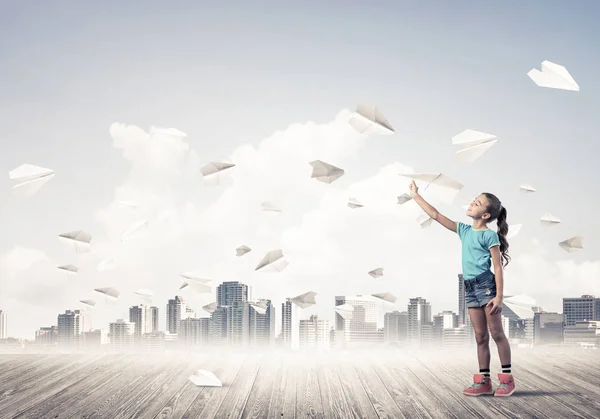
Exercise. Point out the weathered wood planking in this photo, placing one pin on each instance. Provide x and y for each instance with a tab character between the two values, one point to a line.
399	384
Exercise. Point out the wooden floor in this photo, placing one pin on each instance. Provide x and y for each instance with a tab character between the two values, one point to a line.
550	384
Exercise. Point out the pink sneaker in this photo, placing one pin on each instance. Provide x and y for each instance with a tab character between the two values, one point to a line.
507	385
481	385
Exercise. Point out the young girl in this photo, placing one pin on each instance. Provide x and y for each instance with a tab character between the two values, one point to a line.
483	288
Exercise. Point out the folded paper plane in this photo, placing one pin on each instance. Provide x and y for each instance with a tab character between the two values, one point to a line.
473	144
273	261
386	296
526	188
368	119
513	230
213	171
305	300
554	76
325	172
78	239
69	269
204	378
548	219
242	250
345	310
572	245
29	178
210	308
376	273
354	203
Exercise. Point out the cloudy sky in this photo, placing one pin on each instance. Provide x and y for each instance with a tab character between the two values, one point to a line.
270	89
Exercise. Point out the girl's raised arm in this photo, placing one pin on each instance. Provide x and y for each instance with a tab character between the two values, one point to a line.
429	210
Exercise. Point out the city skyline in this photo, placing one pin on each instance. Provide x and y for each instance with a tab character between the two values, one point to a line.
272	103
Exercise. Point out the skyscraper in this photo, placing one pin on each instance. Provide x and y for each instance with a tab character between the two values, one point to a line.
231	292
141	317
176	308
3	325
395	326
362	326
419	314
262	325
290	324
69	327
121	335
314	333
154	318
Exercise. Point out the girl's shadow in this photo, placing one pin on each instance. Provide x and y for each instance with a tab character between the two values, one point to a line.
527	393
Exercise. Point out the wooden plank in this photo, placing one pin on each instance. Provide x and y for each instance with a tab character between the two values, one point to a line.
210	398
235	400
100	384
77	390
358	400
378	394
26	365
121	389
283	396
180	402
34	392
124	405
268	376
177	370
332	394
406	399
309	402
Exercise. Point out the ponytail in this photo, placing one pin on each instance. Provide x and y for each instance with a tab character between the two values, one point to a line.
502	232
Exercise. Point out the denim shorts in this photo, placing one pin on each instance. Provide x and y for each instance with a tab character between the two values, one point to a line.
480	290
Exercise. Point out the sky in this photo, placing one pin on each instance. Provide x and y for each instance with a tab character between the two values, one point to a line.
270	88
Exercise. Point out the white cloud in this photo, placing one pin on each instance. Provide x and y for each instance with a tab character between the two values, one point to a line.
330	247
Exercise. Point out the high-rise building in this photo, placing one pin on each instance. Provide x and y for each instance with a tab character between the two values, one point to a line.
121	335
313	333
238	323
218	326
584	308
46	335
154	318
176	309
142	317
231	292
194	332
548	328
583	333
69	328
395	326
153	342
419	314
362	325
290	324
3	325
262	323
463	311
94	339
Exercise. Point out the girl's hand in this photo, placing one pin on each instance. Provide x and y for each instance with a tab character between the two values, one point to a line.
414	189
496	305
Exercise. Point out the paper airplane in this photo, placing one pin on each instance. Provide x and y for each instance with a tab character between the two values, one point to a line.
242	250
272	262
376	273
526	188
205	378
259	307
438	179
425	221
325	172
353	203
145	293
404	198
89	303
554	76
369	119
386	296
108	292
572	245
345	310
79	239
513	230
475	144
270	208
196	282
106	265
69	269
213	171
549	219
305	300
210	308
29	178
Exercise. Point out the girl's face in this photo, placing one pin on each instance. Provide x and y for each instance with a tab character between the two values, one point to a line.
478	208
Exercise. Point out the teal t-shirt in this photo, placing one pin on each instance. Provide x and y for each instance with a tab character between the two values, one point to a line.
476	245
